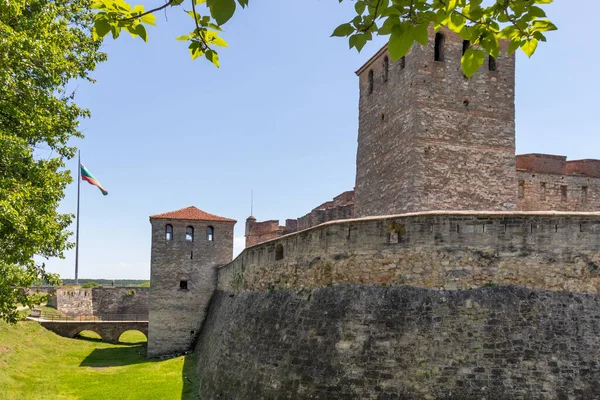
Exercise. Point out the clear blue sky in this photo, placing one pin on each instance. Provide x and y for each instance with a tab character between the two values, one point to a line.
279	117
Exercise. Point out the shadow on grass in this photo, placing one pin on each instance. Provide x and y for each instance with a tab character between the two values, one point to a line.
88	339
116	357
191	390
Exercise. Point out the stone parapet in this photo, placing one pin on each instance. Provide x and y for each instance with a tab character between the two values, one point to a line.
451	250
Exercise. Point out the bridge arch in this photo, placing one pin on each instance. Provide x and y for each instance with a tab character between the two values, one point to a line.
89	334
109	331
133	336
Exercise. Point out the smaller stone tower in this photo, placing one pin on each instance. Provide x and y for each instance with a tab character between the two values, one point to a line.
187	247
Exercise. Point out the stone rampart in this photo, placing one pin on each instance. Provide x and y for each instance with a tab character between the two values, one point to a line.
103	301
450	250
366	342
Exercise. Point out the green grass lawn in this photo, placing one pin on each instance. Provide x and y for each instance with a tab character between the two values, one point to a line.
38	364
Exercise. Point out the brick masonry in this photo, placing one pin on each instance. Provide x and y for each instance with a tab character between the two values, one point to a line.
453	250
365	342
550	182
176	314
341	207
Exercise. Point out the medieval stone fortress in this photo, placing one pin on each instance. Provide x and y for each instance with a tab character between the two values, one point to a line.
454	270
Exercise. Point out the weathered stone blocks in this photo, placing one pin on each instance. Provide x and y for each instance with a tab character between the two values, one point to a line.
365	342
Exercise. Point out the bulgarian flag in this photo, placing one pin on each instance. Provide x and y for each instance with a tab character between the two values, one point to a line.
87	176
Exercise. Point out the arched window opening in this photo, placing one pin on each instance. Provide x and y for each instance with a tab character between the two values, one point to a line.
169	232
439	47
403	62
279	252
492	64
189	234
370	81
210	233
466	45
386	67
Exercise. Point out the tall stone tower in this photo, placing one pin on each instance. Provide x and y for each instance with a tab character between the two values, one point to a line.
431	139
187	247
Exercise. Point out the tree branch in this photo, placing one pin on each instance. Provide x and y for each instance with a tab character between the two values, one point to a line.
167	4
366	28
206	47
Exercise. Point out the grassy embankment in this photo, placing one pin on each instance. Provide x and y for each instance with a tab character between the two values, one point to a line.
38	364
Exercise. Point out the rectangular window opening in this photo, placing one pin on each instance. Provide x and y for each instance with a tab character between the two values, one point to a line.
542	191
183	285
584	195
521	189
563	193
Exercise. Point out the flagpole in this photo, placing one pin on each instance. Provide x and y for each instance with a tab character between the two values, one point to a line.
77	230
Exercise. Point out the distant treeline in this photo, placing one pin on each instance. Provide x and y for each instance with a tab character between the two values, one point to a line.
107	282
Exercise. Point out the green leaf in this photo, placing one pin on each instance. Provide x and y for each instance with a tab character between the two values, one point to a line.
141	31
359	40
529	46
456	22
544	25
419	33
401	41
213	57
360	6
472	60
222	10
195	50
101	27
213	38
149	19
513	46
343	30
184	37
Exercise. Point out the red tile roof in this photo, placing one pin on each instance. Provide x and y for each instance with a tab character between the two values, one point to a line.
191	213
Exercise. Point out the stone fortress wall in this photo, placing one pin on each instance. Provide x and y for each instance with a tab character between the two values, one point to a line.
550	182
545	182
431	305
438	250
405	343
341	207
102	301
413	299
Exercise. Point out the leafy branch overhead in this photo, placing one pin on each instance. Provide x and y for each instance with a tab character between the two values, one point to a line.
522	22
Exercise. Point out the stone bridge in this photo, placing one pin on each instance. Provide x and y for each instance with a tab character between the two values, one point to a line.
109	331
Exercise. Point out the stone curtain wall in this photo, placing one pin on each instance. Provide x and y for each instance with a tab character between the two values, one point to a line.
550	182
121	300
103	301
460	250
558	192
74	302
342	207
365	342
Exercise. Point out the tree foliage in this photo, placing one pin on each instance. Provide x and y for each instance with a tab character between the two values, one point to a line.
522	22
44	44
